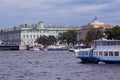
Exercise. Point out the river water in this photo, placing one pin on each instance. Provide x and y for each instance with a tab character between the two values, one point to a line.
52	65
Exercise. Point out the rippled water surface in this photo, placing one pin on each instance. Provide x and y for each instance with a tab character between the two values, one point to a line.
52	65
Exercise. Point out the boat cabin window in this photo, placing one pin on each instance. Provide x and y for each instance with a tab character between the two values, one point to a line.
84	52
100	53
96	53
116	53
118	42
110	53
105	53
113	42
108	43
105	43
98	43
81	53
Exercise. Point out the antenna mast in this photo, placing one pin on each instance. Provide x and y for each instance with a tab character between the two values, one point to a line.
95	10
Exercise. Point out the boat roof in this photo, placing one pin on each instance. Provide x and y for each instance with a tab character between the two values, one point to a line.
86	49
106	40
107	49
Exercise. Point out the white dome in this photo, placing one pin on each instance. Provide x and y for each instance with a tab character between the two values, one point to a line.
96	23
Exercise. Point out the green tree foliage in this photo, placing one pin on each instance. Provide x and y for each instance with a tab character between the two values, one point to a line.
113	33
52	40
69	36
109	33
94	34
44	40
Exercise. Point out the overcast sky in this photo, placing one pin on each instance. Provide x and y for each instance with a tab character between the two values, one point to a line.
58	12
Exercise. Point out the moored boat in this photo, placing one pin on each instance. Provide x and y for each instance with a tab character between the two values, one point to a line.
107	50
86	55
56	47
74	49
34	49
104	51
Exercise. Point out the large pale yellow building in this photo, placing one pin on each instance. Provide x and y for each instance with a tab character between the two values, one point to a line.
82	33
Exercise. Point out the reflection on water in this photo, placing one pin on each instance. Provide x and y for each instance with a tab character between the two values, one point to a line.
52	65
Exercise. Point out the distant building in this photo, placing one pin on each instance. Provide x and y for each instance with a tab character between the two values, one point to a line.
82	32
26	35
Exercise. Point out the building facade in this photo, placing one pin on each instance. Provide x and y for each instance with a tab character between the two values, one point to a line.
82	32
26	35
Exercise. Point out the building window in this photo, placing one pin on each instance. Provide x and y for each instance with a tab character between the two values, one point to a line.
37	36
34	36
31	36
23	36
27	36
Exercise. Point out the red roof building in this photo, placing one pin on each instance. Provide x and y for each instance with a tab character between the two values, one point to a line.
82	33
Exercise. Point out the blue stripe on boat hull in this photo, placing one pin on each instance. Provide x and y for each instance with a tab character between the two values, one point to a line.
98	59
89	59
112	61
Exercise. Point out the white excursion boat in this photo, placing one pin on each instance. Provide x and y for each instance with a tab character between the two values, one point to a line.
103	51
107	50
86	55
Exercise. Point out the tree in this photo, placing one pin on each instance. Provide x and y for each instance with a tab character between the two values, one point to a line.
69	36
113	33
51	39
94	34
43	40
109	33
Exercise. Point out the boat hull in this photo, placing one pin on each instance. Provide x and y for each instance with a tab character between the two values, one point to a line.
56	49
89	59
110	59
